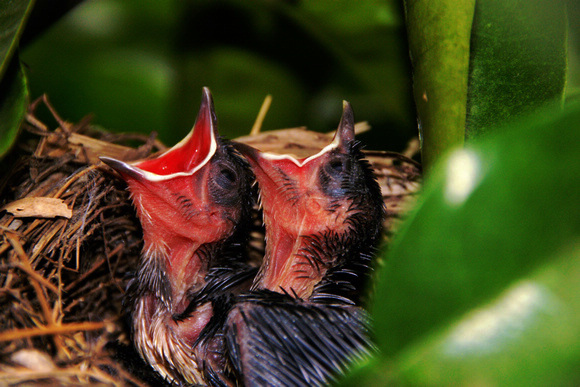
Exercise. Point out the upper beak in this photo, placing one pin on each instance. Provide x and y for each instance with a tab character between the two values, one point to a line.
345	132
261	166
250	153
125	169
185	158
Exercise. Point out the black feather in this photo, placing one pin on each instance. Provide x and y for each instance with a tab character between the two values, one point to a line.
277	340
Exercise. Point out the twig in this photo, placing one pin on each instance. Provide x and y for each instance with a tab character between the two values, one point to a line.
28	270
85	275
25	262
261	115
394	155
64	125
73	179
16	334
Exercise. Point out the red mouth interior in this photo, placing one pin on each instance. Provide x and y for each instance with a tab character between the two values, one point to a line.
186	157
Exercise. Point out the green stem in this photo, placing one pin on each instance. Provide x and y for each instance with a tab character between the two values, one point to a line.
439	34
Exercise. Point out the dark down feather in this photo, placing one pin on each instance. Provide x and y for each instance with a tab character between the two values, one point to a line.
277	340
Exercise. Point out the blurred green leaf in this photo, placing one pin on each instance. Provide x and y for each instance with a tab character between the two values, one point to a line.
140	65
13	104
439	35
518	60
528	335
231	75
13	85
13	15
367	372
354	18
367	41
43	16
492	215
110	59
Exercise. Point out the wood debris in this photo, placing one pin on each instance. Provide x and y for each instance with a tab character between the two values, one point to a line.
38	208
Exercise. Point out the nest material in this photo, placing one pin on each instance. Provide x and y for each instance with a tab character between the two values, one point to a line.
71	240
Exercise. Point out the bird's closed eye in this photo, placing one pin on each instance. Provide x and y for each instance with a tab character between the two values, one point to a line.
226	181
226	178
331	176
335	166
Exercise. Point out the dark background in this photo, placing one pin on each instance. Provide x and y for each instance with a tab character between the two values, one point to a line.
139	65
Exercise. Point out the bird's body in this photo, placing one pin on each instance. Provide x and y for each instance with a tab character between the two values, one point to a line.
193	202
276	339
302	322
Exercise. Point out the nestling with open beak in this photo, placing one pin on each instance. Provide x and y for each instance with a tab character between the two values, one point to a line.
194	205
301	323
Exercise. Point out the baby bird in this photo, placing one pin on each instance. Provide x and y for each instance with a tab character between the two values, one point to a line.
302	323
193	202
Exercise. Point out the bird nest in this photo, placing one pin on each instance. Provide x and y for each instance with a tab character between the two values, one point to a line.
70	242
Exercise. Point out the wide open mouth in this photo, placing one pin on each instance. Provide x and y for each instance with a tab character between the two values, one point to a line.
186	157
191	153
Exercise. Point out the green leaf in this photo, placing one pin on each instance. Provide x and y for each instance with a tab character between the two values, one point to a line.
13	15
528	335
439	35
13	104
13	85
118	66
367	372
518	60
496	215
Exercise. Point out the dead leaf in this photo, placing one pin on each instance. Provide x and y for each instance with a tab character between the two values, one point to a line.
38	207
34	360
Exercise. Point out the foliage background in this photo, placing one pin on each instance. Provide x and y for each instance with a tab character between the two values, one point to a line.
140	65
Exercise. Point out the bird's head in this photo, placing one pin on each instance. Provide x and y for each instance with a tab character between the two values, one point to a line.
331	195
194	194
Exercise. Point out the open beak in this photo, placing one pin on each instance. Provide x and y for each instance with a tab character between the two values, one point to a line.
267	170
183	159
344	135
265	165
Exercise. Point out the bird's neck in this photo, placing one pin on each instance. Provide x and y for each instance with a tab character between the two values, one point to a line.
169	273
298	263
171	268
166	343
293	263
